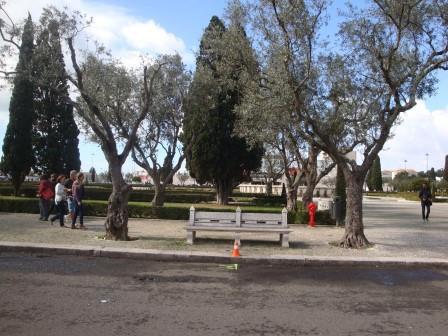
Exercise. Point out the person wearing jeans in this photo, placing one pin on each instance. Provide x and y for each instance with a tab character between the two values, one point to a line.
426	201
60	200
45	195
78	195
68	187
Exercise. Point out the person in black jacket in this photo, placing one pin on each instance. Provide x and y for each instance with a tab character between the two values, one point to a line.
426	201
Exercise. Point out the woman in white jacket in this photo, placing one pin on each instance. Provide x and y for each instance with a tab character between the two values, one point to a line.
60	199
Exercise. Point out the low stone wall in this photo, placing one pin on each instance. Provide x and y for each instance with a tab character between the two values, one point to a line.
320	191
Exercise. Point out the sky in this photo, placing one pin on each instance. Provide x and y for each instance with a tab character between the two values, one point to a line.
131	28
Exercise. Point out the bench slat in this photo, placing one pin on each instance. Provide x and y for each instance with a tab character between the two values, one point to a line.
214	215
261	216
236	229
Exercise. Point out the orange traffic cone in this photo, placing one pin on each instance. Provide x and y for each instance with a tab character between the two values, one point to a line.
236	249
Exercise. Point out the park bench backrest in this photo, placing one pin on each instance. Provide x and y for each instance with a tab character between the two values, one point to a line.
204	218
238	219
261	219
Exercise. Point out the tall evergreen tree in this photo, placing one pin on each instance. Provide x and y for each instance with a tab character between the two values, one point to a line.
377	179
92	172
55	133
342	194
214	153
445	171
18	157
432	174
369	179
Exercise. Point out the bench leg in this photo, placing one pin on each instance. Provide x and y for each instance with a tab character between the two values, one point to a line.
191	235
284	239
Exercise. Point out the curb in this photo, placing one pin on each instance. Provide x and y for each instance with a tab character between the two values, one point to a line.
203	257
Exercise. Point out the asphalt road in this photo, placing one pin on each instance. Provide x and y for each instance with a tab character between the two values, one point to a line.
56	295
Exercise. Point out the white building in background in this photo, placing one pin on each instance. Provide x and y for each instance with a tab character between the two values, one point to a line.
146	179
390	174
325	188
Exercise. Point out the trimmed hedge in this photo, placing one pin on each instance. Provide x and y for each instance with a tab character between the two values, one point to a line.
323	217
181	195
102	193
144	210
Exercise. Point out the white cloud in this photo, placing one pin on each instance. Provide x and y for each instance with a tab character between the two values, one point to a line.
127	36
421	131
112	26
151	36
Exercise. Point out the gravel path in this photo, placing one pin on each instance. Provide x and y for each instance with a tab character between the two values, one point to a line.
394	226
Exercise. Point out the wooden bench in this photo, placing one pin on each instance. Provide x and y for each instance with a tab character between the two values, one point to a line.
238	222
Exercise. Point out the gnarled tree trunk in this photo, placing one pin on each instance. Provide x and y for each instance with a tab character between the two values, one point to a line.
354	228
159	194
117	208
269	188
308	194
291	197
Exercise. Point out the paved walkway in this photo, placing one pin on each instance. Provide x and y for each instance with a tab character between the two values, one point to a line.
394	226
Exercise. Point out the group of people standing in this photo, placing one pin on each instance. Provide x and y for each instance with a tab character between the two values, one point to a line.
66	195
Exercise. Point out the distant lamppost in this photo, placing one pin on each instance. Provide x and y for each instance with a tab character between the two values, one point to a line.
427	163
405	161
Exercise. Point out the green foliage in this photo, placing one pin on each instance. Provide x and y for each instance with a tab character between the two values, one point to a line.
55	133
377	180
156	149
432	174
369	179
18	156
214	153
102	194
445	171
137	179
403	182
442	187
145	210
92	172
302	217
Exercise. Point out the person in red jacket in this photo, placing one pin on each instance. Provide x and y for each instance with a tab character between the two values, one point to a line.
45	194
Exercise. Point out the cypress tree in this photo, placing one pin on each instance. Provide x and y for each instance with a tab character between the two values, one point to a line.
432	174
369	179
445	171
214	154
377	179
18	156
55	133
340	191
92	172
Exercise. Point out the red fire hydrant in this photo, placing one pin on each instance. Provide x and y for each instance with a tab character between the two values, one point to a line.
312	207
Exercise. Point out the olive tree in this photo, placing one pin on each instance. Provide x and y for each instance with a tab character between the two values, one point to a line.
157	148
110	99
272	167
348	99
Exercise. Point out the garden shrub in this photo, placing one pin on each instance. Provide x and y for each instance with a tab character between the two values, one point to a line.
136	210
323	217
